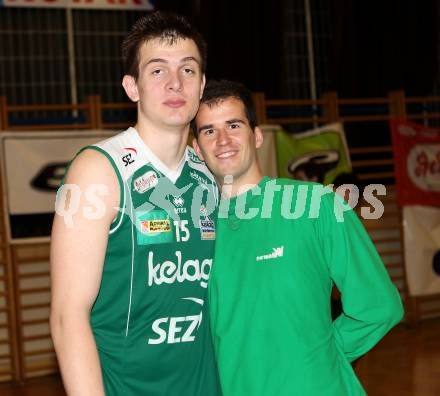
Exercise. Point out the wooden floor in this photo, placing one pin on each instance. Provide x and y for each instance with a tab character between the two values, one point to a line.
405	363
47	386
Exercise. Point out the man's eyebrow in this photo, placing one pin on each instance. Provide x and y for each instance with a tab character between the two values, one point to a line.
203	127
229	122
189	59
235	120
156	60
183	60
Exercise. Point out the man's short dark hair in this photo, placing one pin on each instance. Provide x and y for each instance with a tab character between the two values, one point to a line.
216	91
160	25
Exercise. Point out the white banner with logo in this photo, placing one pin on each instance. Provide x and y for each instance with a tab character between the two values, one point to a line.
267	155
32	165
421	225
91	4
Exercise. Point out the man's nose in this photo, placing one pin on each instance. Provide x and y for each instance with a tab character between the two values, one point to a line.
223	137
174	82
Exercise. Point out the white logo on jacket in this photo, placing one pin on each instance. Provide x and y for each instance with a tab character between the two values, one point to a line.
276	252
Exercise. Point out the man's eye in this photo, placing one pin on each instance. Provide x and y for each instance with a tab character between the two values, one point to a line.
208	131
188	70
234	126
157	72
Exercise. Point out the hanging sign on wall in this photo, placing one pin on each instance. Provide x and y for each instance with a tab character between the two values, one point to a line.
96	4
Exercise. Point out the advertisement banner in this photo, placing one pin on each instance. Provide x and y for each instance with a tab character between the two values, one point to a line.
91	4
322	151
267	156
421	228
32	165
417	163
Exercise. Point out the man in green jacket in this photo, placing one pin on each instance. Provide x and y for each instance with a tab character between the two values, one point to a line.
281	245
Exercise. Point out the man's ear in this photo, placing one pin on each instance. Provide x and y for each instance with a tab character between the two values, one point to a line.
197	149
130	87
259	137
202	87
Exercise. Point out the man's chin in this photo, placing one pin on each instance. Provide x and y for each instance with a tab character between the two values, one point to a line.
225	176
177	124
180	119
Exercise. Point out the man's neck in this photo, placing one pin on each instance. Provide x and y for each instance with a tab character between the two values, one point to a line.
232	188
167	144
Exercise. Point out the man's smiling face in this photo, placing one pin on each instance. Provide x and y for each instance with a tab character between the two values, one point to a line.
226	142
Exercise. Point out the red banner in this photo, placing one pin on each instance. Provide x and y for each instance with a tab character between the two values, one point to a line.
417	163
92	4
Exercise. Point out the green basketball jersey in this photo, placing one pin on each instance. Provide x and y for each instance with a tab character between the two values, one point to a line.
150	319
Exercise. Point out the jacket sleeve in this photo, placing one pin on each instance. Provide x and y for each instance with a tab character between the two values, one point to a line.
371	303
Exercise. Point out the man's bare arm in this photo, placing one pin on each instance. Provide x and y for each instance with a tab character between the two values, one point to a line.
77	255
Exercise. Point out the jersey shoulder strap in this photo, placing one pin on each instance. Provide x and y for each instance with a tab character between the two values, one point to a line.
124	149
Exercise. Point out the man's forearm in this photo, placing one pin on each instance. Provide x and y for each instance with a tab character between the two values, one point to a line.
361	329
77	355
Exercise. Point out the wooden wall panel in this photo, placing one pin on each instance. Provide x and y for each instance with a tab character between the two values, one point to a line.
38	357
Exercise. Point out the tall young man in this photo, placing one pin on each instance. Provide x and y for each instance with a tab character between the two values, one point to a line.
130	268
279	248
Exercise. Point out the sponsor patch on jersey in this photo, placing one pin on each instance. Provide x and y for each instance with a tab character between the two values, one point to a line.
203	211
153	227
129	156
207	228
145	182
